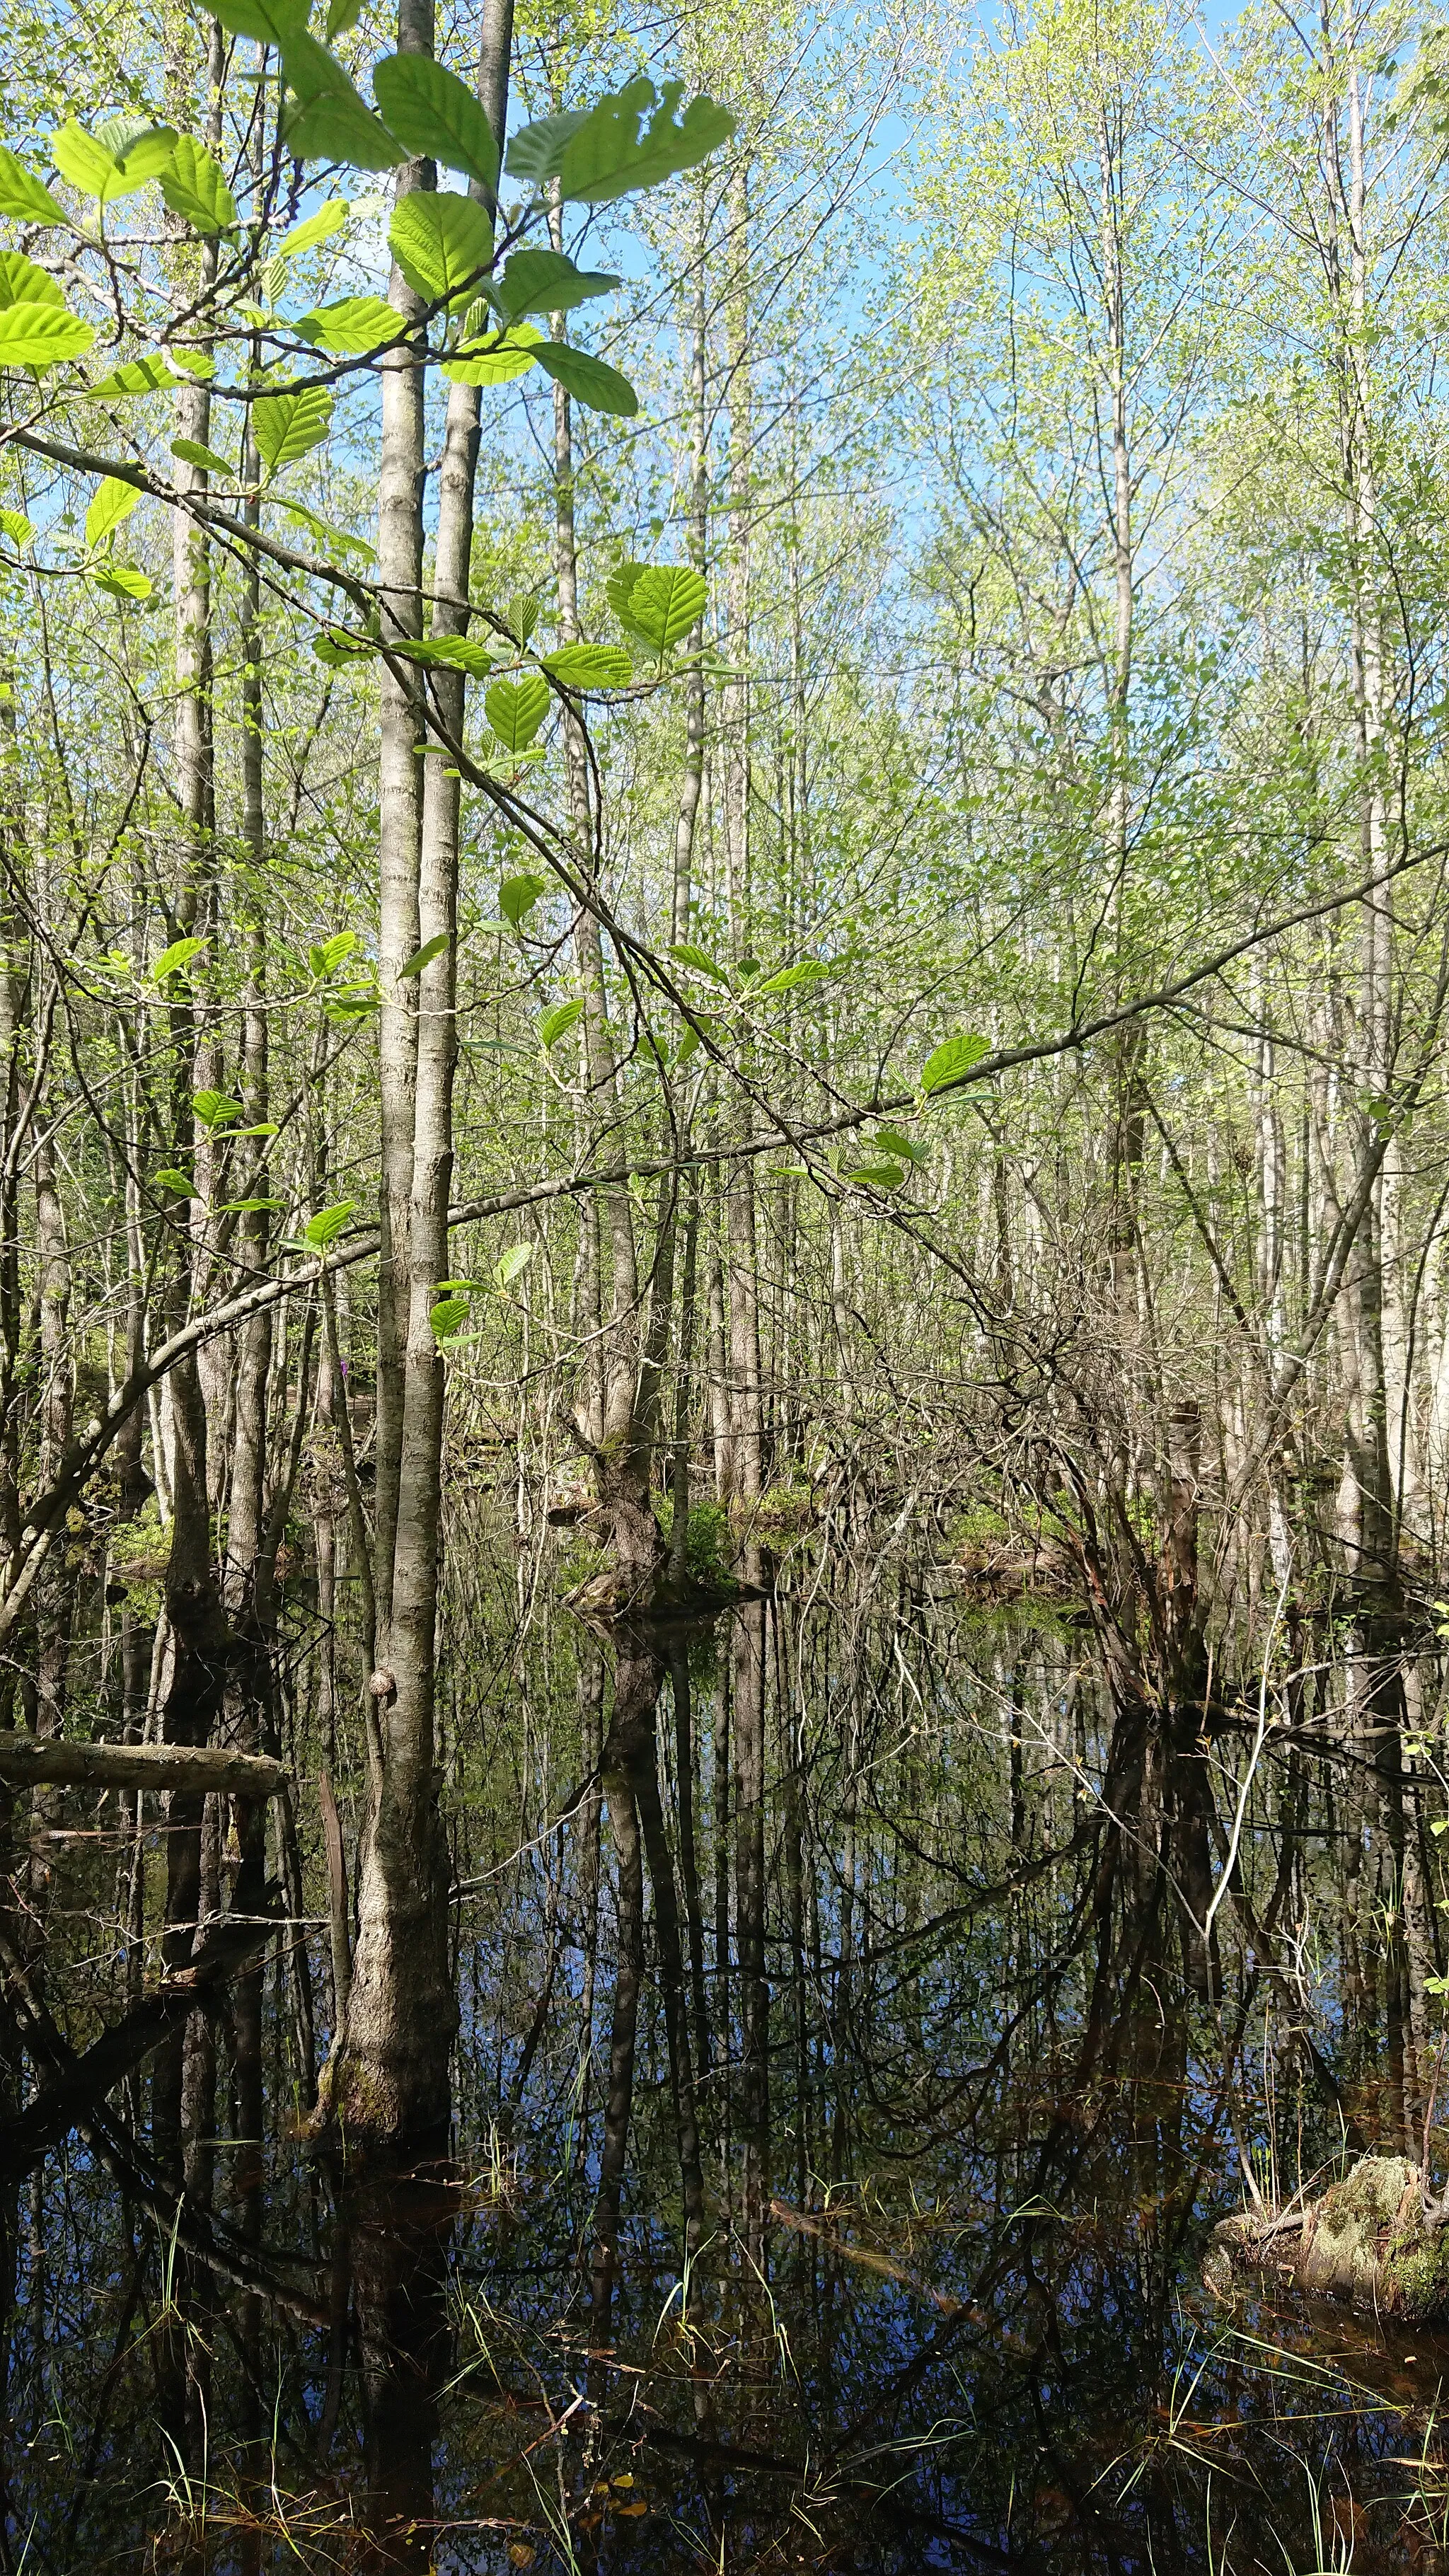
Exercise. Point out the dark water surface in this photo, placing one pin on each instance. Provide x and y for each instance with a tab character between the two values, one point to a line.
867	1962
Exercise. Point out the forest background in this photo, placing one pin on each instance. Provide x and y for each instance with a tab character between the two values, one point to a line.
808	890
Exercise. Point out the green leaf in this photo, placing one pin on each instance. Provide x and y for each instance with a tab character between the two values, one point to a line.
329	219
544	281
663	603
179	1182
447	1315
247	1207
442	243
191	452
123	581
326	955
424	956
351	1003
450	653
342	15
881	1176
352	327
612	150
195	188
144	156
340	540
590	666
513	1263
336	645
500	359
17	527
40	335
289	424
326	1225
619	589
79	158
267	22
518	895
22	282
689	955
535	150
112	502
950	1061
811	970
522	615
558	1019
149	375
98	172
172	960
597	386
23	196
435	114
516	708
901	1148
215	1108
335	126
197	363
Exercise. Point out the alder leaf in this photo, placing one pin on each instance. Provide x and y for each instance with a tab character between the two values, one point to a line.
195	188
136	376
618	145
23	196
442	243
450	653
500	357
320	227
516	708
352	327
424	956
191	452
597	386
113	502
22	281
175	959
518	895
950	1061
590	666
326	1225
40	335
688	955
545	281
558	1019
289	424
435	114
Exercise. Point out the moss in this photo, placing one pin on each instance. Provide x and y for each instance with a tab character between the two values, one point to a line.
581	1561
708	1545
1416	2274
979	1525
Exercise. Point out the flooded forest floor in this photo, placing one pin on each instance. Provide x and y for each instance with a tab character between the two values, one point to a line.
865	2016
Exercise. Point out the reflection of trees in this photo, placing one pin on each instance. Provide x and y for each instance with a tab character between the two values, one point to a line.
977	1998
629	1769
399	2223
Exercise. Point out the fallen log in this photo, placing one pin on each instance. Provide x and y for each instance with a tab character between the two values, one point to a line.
44	1761
1372	2239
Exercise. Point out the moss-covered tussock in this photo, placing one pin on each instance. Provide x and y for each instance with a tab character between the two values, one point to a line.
1373	2238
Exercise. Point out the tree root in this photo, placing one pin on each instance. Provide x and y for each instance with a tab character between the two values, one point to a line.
1373	2239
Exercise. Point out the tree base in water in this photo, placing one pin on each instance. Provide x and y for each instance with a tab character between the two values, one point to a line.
616	1594
1368	2239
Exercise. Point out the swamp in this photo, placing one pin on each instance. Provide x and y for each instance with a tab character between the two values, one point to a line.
724	1288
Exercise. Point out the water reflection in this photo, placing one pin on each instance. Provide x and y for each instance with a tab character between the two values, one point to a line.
864	2012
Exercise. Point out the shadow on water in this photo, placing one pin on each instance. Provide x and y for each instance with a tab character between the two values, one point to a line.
865	2014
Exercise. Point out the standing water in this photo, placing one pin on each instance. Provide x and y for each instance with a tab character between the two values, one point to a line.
863	2023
